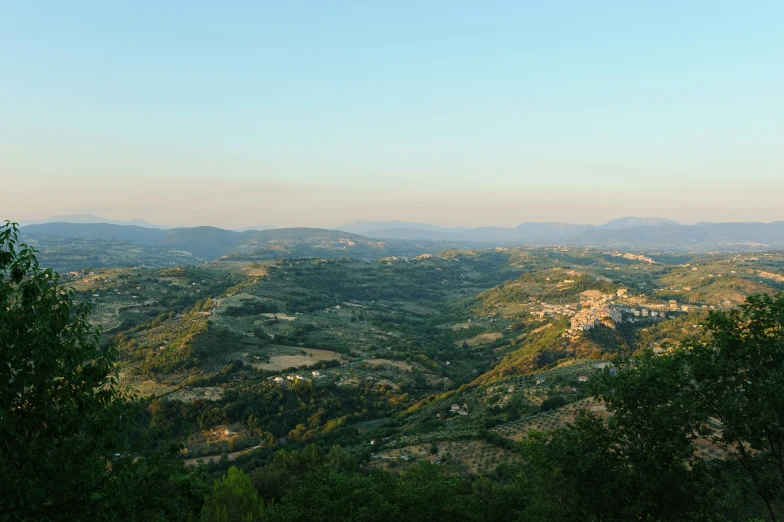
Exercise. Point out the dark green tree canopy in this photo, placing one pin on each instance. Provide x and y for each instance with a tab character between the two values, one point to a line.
62	412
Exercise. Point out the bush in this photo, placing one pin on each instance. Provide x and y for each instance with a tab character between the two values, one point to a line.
551	403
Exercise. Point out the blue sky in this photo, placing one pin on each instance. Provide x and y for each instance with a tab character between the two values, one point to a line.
456	113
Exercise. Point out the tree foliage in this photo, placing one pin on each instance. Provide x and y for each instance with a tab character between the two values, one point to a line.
739	376
233	499
64	419
62	412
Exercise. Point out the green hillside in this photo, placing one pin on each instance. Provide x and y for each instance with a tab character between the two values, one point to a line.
465	356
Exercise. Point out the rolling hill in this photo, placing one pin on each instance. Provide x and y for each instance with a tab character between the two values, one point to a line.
207	243
64	244
629	232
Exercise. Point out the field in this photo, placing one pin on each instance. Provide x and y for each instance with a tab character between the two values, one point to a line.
279	316
149	388
189	394
308	357
549	420
475	457
397	364
480	339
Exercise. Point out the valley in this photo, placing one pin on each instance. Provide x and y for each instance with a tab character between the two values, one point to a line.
478	370
386	356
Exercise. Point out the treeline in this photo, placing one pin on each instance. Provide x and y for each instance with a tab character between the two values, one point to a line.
250	307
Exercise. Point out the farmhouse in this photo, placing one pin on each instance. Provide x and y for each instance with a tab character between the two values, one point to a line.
455	408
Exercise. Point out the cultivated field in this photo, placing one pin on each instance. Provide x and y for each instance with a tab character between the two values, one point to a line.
549	420
481	339
308	357
209	393
473	456
148	388
282	317
397	364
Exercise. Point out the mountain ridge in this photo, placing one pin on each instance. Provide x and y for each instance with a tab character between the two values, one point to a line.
212	242
92	218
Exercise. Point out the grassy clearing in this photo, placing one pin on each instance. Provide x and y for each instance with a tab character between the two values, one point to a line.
282	317
397	364
550	420
476	457
306	357
149	388
209	393
485	338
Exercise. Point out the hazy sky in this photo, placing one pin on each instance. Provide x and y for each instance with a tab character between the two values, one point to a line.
454	113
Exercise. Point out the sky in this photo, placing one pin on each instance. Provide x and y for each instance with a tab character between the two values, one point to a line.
455	113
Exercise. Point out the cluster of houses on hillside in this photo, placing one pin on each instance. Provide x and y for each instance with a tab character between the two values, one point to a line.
648	312
594	311
598	308
293	377
633	257
456	408
549	310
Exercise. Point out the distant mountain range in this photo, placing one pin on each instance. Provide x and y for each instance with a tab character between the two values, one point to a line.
92	218
526	232
627	232
366	227
209	243
203	242
409	238
631	222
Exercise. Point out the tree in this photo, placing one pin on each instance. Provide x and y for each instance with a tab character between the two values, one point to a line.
155	487
575	473
328	495
551	403
338	460
253	425
739	376
62	411
233	499
657	420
